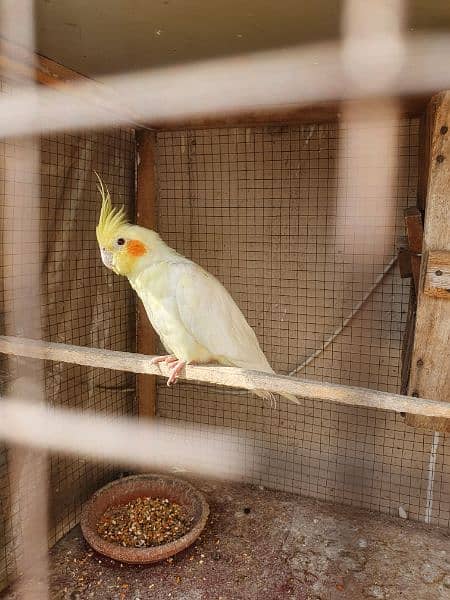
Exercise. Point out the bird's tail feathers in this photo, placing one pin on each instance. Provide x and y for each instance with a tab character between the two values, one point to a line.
291	398
271	397
268	396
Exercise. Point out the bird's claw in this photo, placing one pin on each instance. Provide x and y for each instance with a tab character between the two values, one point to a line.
178	366
165	359
175	365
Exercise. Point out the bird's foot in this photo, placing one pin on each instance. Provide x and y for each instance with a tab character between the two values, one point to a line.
168	359
176	367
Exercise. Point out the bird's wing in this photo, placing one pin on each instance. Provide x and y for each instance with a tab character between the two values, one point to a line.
212	317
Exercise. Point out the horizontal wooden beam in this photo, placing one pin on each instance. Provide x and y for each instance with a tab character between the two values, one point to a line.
320	112
226	376
21	64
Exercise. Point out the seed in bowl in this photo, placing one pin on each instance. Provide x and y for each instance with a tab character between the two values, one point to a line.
144	522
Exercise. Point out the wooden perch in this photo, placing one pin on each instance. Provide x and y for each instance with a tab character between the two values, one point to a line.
226	376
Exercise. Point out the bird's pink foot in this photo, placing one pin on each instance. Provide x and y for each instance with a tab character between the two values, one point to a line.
170	358
175	369
175	366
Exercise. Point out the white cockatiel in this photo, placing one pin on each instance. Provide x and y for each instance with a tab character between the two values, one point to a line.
194	315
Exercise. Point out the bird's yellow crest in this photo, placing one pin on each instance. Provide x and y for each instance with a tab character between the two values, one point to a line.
111	219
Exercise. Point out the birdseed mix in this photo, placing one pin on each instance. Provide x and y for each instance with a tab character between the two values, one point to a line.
144	522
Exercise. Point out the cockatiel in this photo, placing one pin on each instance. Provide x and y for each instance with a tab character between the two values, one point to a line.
193	314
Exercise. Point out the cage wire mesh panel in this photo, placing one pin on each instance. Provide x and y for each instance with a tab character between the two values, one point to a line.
86	305
83	304
257	207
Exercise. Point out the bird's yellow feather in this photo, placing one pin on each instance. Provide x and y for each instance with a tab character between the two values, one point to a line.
111	219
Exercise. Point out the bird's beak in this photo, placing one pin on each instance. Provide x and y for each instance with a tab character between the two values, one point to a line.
107	258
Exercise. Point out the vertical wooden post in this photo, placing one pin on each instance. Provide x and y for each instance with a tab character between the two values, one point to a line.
414	232
425	141
146	198
430	373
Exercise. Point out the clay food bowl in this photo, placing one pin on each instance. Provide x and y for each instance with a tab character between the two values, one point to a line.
127	489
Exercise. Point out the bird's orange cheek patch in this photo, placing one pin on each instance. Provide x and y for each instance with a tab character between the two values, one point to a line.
136	248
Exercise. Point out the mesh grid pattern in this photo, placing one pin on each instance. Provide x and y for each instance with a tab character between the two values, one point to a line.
257	207
82	304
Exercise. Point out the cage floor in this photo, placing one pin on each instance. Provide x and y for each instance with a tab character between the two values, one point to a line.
268	545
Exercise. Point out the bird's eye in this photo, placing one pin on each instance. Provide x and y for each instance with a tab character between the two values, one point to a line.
120	242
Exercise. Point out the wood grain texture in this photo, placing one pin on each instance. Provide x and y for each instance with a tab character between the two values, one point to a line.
425	137
404	263
282	114
437	274
408	340
146	198
22	64
414	232
225	376
414	236
430	374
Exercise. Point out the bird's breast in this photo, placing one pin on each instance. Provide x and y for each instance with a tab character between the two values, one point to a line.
157	291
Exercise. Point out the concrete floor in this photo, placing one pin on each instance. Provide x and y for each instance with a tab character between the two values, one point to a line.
266	545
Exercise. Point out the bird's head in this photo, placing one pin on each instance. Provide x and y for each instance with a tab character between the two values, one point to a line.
124	247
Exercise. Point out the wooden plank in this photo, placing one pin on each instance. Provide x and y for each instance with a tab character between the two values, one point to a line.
425	133
284	114
430	375
49	72
437	275
404	263
146	198
414	232
408	341
225	376
21	64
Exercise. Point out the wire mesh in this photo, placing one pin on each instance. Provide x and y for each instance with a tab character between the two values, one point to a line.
257	207
82	304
